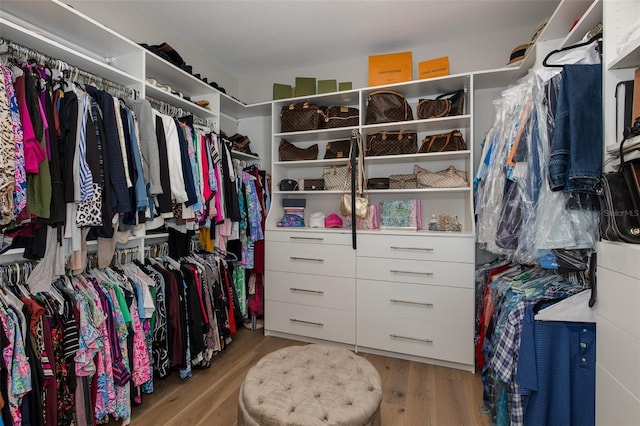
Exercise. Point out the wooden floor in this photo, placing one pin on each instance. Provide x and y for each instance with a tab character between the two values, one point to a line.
414	394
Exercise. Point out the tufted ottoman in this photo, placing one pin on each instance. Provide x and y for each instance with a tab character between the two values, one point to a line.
311	385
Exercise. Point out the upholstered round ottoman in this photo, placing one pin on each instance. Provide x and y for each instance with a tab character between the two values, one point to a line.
311	385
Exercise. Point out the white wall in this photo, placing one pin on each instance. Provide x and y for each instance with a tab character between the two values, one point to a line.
486	51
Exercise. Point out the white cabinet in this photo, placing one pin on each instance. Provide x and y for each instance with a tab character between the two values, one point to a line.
618	320
407	293
310	286
416	297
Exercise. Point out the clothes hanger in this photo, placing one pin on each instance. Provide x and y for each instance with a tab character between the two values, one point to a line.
546	63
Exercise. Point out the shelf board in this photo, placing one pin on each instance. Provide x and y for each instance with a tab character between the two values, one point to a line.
417	190
426	87
428	125
348	97
179	80
592	16
238	110
316	135
244	156
629	58
312	163
174	100
56	50
563	18
448	155
57	21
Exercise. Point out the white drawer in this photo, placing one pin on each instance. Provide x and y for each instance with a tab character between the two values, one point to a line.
318	323
420	338
312	290
619	353
332	260
328	237
417	247
615	406
618	299
620	257
421	302
411	271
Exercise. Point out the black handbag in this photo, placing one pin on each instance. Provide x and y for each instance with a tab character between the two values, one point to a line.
378	183
288	185
619	220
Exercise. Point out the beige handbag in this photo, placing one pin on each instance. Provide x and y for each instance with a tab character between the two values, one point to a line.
362	200
447	178
337	178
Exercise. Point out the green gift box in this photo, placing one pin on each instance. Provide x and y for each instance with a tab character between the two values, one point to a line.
327	86
282	91
305	86
344	85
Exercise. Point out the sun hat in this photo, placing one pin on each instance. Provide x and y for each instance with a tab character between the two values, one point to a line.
333	221
518	53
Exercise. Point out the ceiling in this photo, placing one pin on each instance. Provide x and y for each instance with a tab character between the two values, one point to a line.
275	35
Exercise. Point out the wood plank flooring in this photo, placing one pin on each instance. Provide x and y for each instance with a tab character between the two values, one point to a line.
414	394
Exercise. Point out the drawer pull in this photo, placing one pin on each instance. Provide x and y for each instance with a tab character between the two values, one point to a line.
410	302
306	291
319	324
307	238
309	259
397	271
398	336
411	248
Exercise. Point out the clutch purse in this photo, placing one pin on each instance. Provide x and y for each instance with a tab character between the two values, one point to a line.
311	184
378	183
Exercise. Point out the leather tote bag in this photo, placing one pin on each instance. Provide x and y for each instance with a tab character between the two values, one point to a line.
341	116
452	141
447	178
289	152
446	105
338	149
301	116
391	143
387	106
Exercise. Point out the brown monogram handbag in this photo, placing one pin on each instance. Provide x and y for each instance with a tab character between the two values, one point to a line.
443	106
338	149
392	143
452	141
301	116
386	106
341	116
289	152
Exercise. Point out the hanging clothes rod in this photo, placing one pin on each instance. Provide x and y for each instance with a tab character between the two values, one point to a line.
25	54
178	112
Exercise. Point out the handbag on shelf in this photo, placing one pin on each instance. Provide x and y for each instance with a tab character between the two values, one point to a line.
446	105
338	149
619	219
387	106
288	185
378	183
361	202
337	178
447	178
289	152
406	181
392	143
341	116
452	141
311	184
301	116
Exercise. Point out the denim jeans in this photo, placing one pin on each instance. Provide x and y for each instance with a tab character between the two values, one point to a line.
576	148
